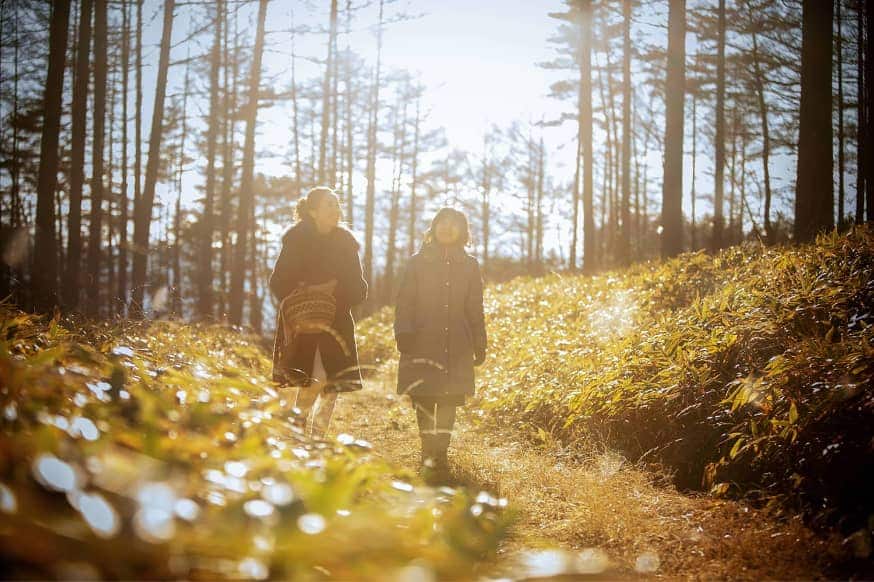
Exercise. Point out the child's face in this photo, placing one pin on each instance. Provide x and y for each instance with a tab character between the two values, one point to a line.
447	231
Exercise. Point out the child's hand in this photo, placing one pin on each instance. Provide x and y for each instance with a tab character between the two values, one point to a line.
479	358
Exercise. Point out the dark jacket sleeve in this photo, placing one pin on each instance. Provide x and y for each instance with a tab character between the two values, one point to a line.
473	308
288	272
405	305
351	286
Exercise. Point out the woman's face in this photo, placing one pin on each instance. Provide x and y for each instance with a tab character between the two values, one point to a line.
447	231
327	214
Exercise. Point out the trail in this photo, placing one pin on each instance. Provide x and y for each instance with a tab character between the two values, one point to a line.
637	523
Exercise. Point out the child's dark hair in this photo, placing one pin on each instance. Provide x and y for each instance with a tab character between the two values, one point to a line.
447	213
311	201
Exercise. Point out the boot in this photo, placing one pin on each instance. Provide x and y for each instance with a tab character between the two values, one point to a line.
441	461
426	459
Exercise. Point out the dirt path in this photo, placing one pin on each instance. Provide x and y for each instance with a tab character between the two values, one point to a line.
607	515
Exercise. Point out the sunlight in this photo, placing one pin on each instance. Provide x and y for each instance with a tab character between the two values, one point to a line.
616	317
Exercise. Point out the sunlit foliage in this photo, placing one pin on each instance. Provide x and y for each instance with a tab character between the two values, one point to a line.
163	451
749	372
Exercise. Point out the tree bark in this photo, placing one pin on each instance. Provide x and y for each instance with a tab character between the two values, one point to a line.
143	206
672	189
205	301
625	241
719	145
370	200
96	219
861	114
585	123
45	277
326	98
840	64
766	138
121	293
247	181
72	284
814	198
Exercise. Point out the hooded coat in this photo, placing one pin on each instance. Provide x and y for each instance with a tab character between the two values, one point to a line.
309	257
439	323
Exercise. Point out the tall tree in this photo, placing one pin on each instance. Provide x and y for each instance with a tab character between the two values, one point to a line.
814	191
625	240
143	205
97	179
370	200
585	135
121	294
71	284
326	96
206	228
719	145
869	117
839	49
247	180
672	188
862	113
759	83
45	278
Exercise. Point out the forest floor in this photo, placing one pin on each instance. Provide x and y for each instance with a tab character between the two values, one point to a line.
593	511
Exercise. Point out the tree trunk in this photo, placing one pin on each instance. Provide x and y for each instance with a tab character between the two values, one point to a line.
143	206
766	138
96	219
486	186
814	198
79	122
205	302
625	241
716	242
228	156
247	181
411	234
541	170
45	277
672	189
370	201
350	160
585	122
121	293
841	165
861	115
326	98
869	118
394	212
138	122
693	243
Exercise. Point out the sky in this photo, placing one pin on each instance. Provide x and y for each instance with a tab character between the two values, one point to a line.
478	60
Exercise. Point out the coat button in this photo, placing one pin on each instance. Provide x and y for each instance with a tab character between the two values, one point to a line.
447	283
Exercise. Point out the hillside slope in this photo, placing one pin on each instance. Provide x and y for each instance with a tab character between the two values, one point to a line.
746	373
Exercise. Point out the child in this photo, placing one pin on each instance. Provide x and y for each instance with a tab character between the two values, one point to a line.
440	332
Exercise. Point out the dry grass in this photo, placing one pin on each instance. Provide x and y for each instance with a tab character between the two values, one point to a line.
593	499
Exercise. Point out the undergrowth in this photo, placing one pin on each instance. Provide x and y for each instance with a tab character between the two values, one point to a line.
161	450
745	373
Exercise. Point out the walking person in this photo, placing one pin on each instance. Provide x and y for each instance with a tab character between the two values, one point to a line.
318	273
440	332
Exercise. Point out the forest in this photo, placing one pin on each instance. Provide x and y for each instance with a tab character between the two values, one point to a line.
669	203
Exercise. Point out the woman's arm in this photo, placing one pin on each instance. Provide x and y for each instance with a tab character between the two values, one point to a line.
473	310
351	287
287	274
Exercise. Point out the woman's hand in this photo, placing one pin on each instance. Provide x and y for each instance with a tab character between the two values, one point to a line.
327	287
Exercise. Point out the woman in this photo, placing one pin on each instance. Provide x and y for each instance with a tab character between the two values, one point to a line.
440	331
320	254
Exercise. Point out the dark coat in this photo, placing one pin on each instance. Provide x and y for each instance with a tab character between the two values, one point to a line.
307	258
439	316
